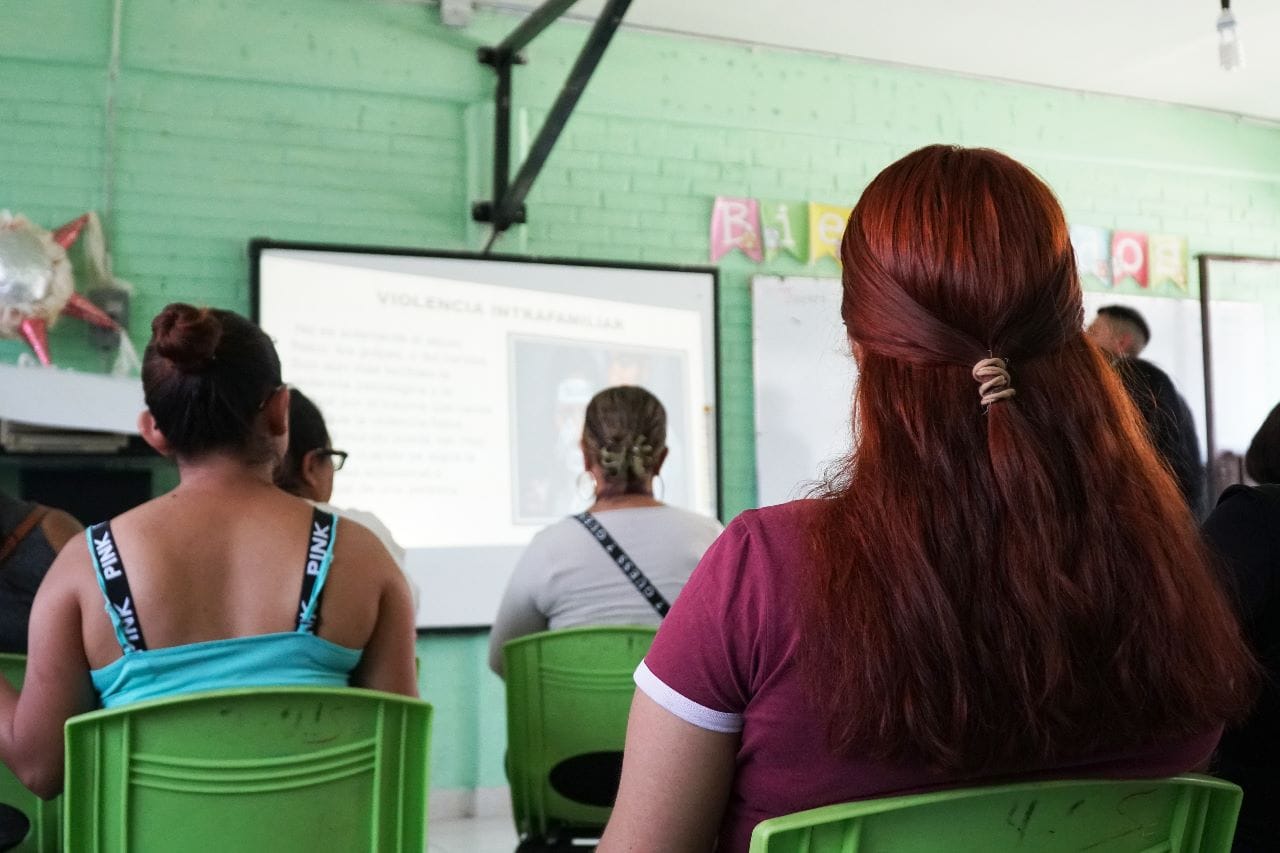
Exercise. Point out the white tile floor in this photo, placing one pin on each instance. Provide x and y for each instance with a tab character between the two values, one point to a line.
471	835
476	835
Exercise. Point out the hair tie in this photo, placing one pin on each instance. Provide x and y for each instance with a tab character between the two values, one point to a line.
992	374
641	456
613	462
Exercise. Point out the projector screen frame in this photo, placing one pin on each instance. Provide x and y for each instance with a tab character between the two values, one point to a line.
258	245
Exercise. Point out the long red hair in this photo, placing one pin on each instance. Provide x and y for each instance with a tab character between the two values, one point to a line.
996	587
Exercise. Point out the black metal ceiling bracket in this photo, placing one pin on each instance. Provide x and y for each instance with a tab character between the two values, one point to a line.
507	205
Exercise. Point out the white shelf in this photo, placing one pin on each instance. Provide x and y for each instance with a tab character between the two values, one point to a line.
67	399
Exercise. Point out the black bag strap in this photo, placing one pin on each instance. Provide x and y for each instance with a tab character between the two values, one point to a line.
629	568
115	587
14	539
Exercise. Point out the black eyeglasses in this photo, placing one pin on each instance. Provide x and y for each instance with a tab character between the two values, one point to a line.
338	457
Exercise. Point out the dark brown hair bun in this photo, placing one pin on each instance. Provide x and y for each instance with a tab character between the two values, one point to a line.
206	374
187	336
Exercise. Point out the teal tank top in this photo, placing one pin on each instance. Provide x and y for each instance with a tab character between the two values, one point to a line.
267	660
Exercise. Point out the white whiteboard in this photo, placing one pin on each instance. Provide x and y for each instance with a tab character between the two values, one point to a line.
804	377
1244	389
1245	339
804	373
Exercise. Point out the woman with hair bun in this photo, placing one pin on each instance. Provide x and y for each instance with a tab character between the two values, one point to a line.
226	581
1002	582
565	579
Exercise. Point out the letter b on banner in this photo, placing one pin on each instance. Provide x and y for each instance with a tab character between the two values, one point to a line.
735	224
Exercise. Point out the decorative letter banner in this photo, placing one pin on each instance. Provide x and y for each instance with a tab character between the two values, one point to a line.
1129	257
826	228
1093	252
735	224
786	228
764	229
1167	255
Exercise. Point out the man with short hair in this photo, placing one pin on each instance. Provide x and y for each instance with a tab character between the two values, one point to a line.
1169	426
1122	333
1120	330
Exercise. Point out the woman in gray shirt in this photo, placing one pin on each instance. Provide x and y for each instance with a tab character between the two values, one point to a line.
565	579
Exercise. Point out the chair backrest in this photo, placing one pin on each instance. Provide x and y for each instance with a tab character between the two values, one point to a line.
280	769
568	695
1186	814
45	817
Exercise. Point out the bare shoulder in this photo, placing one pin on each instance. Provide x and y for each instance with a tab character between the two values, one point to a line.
149	520
357	537
374	596
72	570
356	544
59	527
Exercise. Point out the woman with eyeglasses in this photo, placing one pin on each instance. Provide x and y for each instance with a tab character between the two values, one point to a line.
307	471
309	462
226	581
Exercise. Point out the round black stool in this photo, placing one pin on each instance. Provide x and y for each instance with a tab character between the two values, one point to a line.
14	827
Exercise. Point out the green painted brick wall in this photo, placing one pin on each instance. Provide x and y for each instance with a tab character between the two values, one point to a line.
192	126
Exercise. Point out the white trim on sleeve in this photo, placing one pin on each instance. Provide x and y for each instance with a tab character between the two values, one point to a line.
683	707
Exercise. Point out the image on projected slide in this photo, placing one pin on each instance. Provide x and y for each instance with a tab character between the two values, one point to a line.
552	382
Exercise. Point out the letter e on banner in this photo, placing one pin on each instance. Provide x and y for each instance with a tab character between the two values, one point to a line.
735	224
1129	257
826	229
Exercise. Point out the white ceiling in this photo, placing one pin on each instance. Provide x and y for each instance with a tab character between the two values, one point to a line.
1164	50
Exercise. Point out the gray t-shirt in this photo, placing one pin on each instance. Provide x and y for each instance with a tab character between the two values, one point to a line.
564	579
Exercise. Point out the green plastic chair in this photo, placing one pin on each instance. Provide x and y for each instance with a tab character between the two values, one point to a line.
1186	814
281	769
568	696
45	817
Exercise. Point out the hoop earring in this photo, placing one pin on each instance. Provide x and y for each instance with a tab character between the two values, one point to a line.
658	492
595	487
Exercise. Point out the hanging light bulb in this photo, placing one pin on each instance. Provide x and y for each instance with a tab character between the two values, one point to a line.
1229	55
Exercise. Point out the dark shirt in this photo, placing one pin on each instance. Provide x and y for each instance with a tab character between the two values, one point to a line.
1169	424
20	575
1244	530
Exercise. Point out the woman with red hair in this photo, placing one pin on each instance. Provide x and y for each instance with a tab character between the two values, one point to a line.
1003	581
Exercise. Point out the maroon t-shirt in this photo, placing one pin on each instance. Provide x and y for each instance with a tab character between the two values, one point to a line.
725	660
